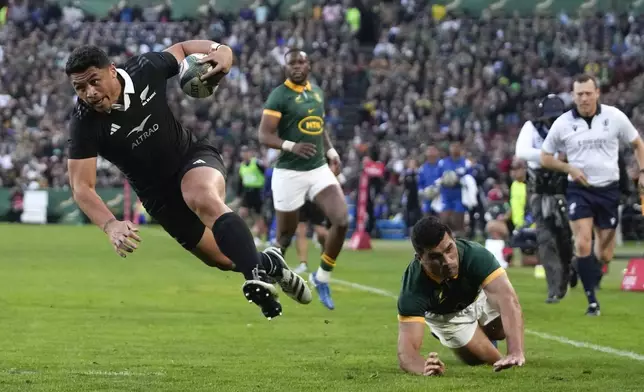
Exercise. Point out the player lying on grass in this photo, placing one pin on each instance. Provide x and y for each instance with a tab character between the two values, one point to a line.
459	290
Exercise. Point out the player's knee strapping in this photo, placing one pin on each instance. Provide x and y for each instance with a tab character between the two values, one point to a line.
236	242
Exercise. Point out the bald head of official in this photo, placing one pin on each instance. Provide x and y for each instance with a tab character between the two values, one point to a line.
586	95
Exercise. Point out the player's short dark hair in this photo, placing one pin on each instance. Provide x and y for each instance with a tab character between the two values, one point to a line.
583	78
85	57
428	233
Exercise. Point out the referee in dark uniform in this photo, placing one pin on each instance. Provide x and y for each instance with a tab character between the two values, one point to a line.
122	115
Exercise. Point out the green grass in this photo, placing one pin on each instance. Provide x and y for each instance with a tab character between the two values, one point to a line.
76	317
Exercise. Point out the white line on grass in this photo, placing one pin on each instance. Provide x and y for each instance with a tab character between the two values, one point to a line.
124	373
546	336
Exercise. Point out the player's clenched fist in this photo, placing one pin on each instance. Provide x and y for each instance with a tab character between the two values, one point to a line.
123	236
433	366
510	361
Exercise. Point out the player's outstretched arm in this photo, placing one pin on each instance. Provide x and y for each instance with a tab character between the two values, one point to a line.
82	179
502	296
410	340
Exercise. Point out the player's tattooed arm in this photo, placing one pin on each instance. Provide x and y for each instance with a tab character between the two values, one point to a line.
82	179
502	296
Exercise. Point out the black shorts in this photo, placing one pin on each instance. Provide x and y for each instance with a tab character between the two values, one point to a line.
252	199
311	213
167	205
599	203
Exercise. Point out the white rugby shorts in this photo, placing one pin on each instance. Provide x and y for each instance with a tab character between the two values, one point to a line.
455	330
291	188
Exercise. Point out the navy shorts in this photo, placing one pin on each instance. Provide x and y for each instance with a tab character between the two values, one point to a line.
600	203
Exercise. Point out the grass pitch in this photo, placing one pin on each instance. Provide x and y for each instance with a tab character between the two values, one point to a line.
76	317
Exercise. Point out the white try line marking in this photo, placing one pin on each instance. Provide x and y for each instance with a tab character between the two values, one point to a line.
546	336
123	373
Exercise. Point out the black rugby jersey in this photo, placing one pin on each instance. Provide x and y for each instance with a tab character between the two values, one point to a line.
144	140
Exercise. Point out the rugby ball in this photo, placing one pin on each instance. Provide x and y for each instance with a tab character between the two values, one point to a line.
450	178
190	72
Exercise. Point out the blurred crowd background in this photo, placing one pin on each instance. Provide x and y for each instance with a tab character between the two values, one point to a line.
400	76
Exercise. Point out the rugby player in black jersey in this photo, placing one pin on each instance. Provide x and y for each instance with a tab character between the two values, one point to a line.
122	115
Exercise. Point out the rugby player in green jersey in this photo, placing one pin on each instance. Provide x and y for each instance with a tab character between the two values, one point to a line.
460	291
293	121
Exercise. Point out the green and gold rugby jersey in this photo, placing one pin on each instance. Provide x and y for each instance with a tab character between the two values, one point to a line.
301	113
421	294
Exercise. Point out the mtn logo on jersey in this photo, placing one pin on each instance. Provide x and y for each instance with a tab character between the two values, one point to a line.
144	95
311	125
114	128
142	133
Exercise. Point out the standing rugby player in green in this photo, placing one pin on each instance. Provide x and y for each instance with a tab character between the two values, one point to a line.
293	121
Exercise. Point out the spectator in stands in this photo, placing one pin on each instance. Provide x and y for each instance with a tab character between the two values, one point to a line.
423	78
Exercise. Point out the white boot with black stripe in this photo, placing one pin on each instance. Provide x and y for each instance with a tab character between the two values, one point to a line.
291	283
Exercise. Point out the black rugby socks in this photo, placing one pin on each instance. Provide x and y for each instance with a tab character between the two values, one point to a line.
236	242
587	268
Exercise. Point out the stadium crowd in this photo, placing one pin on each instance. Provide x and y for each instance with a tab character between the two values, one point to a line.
431	74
